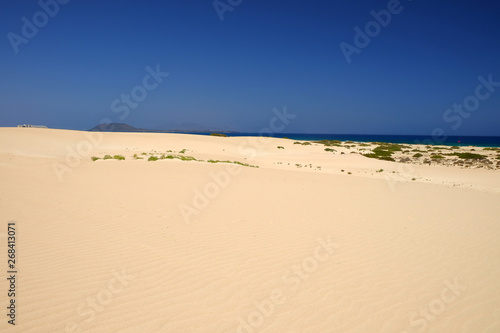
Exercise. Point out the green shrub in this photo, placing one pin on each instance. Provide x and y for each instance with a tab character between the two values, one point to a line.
182	151
336	143
107	157
153	158
281	147
384	151
119	157
297	143
469	156
219	134
417	155
306	143
330	150
246	164
185	158
95	158
437	157
233	162
393	147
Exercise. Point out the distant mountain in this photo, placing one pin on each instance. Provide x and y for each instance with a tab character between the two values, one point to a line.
121	127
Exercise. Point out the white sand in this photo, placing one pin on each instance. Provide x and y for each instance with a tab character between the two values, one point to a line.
249	258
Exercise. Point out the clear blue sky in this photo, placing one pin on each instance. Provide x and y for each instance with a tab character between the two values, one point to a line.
265	54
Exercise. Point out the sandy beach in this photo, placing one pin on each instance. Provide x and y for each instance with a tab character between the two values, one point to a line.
190	233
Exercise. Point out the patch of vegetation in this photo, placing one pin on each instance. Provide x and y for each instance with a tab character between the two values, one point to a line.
342	153
330	143
306	143
469	156
233	162
405	160
414	179
185	158
384	151
349	142
491	148
219	134
281	147
119	157
381	170
349	173
107	157
144	154
386	158
330	150
455	147
153	158
364	145
436	157
297	143
417	155
392	147
182	151
94	158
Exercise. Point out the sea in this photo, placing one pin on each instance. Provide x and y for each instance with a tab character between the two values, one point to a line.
479	141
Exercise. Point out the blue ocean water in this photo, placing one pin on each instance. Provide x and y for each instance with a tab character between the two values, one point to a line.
480	141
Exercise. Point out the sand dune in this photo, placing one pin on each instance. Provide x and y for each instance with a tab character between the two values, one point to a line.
294	244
